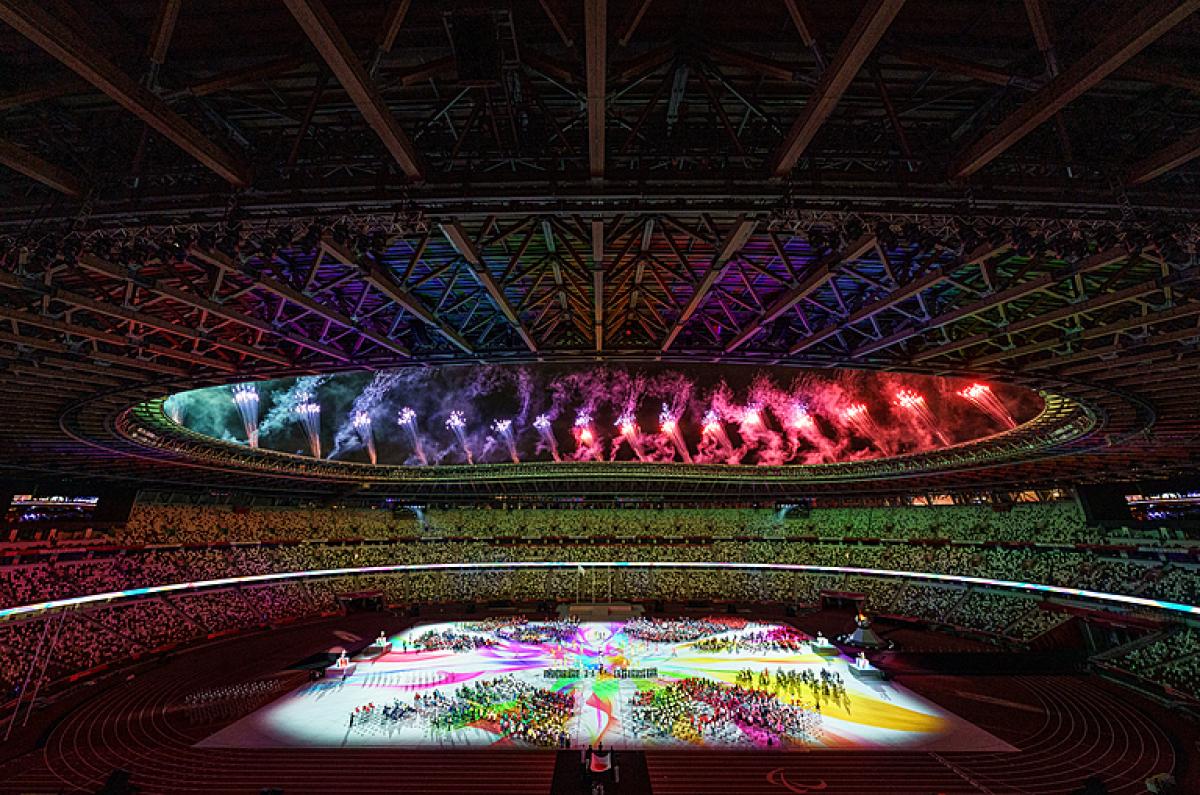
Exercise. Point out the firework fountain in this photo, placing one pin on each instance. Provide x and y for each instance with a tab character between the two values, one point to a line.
716	431
362	425
458	423
752	418
631	434
587	446
985	400
407	419
758	420
504	428
309	412
546	432
913	403
800	425
669	425
799	419
245	397
173	407
858	417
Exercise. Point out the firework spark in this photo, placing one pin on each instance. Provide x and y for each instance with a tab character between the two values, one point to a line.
631	434
587	446
713	428
245	397
752	416
458	423
669	425
362	425
542	424
407	419
799	419
914	404
858	417
504	428
173	407
985	400
309	412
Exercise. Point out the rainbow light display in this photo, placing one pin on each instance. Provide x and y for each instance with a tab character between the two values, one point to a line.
1121	600
626	684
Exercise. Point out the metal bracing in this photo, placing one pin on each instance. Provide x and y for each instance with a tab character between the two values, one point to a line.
599	190
666	105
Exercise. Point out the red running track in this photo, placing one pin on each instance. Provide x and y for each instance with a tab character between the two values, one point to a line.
1066	727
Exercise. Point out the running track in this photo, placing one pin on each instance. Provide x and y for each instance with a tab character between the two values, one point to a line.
1067	728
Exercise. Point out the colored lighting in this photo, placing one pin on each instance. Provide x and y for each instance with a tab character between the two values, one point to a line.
1127	600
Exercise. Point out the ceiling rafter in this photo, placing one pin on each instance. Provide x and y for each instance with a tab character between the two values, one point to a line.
595	13
25	162
868	29
288	293
1123	42
817	276
35	23
323	32
386	284
733	243
457	236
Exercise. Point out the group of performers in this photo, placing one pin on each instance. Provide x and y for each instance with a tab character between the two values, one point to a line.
827	686
505	705
781	639
779	708
447	640
680	630
698	709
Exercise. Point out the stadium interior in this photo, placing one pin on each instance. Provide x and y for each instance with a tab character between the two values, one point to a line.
612	397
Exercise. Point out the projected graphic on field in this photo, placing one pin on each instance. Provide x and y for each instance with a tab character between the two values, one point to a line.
663	683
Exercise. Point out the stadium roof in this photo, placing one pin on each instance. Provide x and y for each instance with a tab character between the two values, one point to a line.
255	189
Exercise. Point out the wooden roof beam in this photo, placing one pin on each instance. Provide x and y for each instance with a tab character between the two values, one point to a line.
32	21
457	237
100	265
596	54
1122	43
325	35
289	293
88	333
598	282
1166	159
25	162
385	284
868	29
1094	262
818	274
732	244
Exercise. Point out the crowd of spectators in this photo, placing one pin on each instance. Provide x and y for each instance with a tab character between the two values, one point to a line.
170	543
207	524
52	576
1055	522
1172	659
